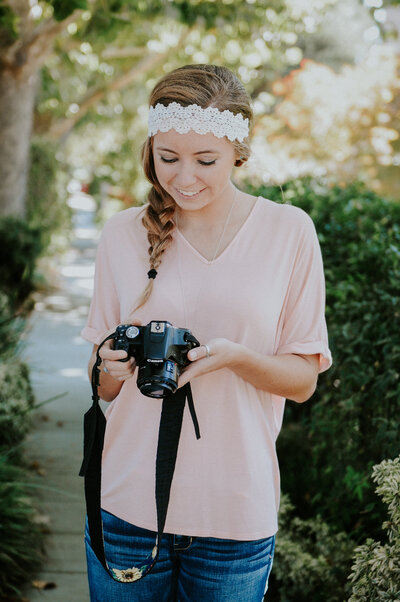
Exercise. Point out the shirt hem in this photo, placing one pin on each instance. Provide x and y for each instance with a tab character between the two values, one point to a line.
196	532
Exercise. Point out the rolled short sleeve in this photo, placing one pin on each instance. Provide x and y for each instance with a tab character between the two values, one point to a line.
303	326
104	312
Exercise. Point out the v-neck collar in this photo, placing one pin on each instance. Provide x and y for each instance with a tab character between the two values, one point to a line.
229	245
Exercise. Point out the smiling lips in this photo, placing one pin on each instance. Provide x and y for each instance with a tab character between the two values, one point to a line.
188	193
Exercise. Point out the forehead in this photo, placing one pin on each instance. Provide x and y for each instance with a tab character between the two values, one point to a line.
191	142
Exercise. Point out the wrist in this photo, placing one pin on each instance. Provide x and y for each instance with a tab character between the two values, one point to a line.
235	355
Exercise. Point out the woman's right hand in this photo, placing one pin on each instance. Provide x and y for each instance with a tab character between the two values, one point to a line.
112	365
113	372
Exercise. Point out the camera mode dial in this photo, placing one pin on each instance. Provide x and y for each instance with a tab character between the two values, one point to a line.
132	332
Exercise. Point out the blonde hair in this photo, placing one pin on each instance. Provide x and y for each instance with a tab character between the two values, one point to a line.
204	85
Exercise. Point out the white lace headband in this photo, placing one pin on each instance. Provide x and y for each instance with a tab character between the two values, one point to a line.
202	121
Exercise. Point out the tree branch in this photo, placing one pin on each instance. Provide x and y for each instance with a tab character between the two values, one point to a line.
39	43
122	53
30	51
61	128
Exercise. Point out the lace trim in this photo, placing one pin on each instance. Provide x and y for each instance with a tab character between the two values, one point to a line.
202	121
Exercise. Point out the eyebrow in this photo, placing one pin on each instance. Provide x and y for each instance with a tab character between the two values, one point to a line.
203	152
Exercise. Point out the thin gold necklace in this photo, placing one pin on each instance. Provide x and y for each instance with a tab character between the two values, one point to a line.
209	262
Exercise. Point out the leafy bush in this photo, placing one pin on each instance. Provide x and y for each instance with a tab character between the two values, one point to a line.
46	204
22	245
11	328
16	401
23	241
376	571
311	562
20	537
328	446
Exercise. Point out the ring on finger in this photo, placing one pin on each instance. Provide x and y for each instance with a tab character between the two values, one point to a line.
208	351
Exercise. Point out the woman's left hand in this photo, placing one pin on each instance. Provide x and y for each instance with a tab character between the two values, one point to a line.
216	354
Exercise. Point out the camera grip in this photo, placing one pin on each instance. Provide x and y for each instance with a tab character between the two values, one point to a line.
122	346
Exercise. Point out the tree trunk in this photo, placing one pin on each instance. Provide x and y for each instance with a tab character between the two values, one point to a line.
17	96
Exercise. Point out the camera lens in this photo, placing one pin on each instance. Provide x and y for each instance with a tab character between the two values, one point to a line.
154	390
158	380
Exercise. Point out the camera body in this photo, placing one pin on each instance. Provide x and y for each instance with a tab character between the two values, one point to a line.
160	351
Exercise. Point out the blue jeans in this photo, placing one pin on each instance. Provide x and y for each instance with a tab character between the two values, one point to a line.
189	569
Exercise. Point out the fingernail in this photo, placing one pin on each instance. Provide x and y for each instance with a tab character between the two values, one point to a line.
193	355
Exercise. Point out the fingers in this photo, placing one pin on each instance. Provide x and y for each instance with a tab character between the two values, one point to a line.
119	370
106	353
199	353
112	364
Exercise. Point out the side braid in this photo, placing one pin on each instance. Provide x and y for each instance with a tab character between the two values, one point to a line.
158	221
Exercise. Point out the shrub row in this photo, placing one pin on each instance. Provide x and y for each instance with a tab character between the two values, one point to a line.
23	242
20	536
327	447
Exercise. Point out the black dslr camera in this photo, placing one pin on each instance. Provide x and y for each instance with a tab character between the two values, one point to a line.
160	352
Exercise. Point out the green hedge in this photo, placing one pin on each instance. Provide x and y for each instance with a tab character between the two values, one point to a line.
16	403
23	242
329	445
21	551
20	537
46	205
22	246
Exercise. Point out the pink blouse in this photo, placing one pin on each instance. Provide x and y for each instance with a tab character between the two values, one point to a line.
266	291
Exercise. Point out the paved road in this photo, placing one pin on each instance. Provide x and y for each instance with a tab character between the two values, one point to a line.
57	357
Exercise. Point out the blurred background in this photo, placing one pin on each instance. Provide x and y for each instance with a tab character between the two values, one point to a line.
324	79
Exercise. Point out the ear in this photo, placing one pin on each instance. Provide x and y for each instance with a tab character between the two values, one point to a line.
239	161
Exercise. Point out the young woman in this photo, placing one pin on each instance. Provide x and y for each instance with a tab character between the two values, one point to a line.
245	275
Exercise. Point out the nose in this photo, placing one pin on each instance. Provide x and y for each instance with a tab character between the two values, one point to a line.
185	176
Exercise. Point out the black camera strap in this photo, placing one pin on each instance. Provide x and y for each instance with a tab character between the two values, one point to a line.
167	449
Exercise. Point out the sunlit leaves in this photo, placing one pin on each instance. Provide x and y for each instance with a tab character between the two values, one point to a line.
307	123
332	123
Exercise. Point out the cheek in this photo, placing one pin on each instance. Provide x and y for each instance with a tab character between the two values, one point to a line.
220	175
161	171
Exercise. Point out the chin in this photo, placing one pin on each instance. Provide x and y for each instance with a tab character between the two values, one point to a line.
189	204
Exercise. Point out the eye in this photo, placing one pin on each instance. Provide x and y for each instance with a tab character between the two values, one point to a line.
207	162
164	160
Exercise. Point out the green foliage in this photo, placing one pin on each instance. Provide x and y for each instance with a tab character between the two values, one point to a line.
311	561
328	446
22	245
46	208
16	402
11	328
376	570
8	26
20	538
25	240
107	16
64	8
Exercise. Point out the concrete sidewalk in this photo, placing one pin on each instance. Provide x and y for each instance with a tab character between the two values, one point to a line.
57	357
